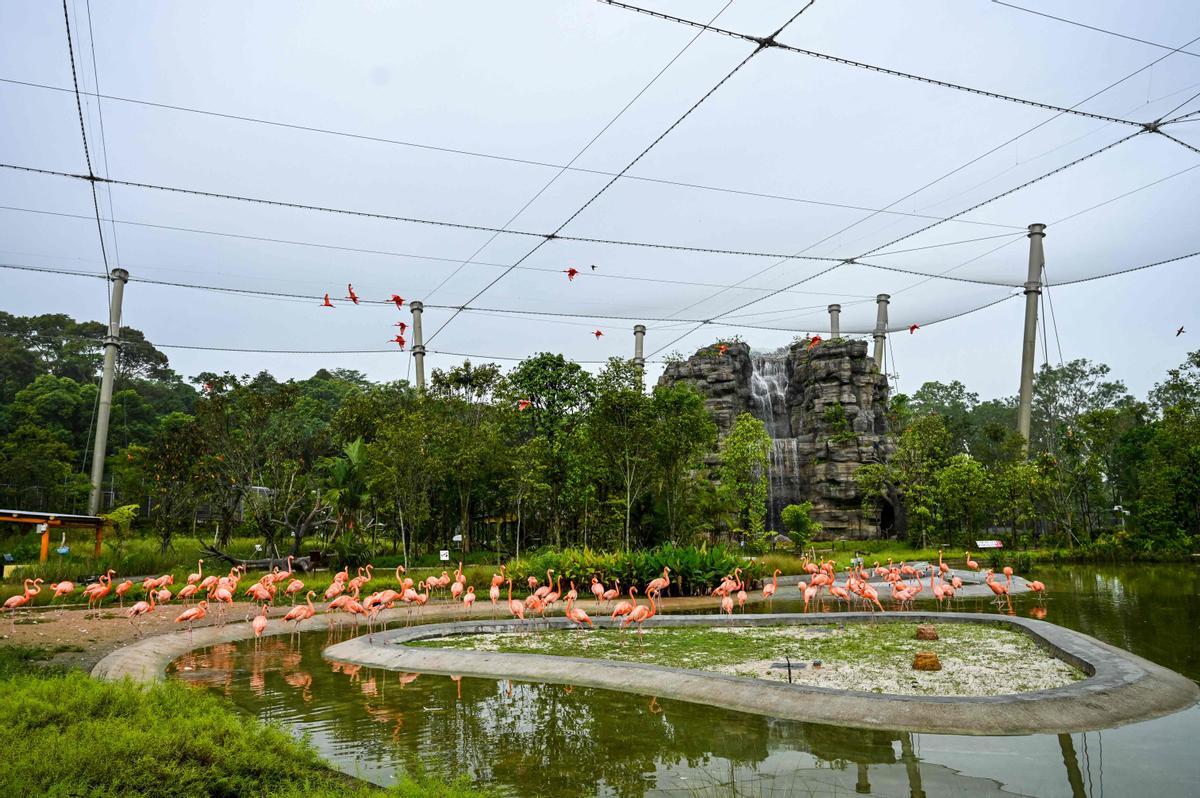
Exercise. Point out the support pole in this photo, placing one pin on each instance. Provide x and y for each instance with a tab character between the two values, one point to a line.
639	336
835	327
44	554
112	342
1033	292
418	349
880	334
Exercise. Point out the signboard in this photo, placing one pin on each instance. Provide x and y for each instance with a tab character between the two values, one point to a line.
988	544
444	555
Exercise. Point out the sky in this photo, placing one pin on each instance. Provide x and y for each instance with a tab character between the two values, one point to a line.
790	155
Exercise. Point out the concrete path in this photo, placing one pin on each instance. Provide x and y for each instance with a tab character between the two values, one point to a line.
1121	688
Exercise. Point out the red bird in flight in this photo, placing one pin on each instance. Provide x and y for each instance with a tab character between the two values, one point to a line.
597	333
399	300
327	303
912	328
399	339
524	404
402	325
353	296
571	272
816	339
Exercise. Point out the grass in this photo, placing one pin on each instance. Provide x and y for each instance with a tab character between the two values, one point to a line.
65	734
976	659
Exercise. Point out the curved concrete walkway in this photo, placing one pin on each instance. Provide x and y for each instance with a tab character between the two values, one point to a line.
1121	688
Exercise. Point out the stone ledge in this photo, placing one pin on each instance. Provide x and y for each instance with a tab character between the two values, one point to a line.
1121	687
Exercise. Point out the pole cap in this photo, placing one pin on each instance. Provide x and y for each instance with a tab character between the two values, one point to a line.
120	274
1037	229
416	306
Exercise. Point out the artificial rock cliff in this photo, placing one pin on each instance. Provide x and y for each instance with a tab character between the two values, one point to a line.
825	410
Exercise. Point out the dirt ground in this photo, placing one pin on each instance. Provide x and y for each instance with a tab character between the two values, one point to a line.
82	638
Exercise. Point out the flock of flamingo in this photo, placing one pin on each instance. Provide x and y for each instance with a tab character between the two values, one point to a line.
345	593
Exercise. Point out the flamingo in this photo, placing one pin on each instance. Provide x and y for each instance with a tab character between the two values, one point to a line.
727	604
545	589
810	593
96	592
768	591
551	597
162	596
532	581
469	599
641	614
293	587
14	603
283	576
64	588
196	577
494	595
576	615
139	609
456	590
974	566
614	593
661	583
335	589
193	614
514	606
598	590
186	593
572	594
625	607
259	624
303	612
1038	587
122	589
498	579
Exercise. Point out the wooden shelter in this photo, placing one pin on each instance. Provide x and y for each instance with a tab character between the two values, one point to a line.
47	520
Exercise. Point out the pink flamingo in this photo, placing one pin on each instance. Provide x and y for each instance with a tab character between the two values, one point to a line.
293	587
122	589
302	613
186	593
259	624
576	615
514	606
598	590
139	609
193	614
640	614
196	577
494	595
625	607
572	594
768	591
545	589
614	593
974	566
661	583
469	599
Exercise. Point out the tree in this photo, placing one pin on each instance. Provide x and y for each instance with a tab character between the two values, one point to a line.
684	432
621	429
799	524
743	472
964	495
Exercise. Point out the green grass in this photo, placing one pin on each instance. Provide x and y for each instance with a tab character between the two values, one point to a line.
65	734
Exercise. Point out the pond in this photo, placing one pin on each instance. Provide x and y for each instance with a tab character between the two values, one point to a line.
532	739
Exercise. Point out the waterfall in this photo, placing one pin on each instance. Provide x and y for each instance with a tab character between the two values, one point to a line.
768	394
768	389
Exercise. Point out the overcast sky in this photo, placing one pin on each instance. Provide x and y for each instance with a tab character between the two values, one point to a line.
537	81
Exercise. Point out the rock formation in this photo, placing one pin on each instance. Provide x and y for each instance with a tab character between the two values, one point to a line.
825	409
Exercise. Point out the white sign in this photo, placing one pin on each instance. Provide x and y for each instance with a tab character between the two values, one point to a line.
457	538
988	544
444	554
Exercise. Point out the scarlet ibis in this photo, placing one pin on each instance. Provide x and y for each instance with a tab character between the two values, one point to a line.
353	297
524	404
399	300
722	348
816	339
402	325
399	339
571	272
597	333
327	303
1180	331
912	328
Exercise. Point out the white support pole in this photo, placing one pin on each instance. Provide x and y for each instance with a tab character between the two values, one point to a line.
112	342
880	334
835	327
639	335
418	347
1033	292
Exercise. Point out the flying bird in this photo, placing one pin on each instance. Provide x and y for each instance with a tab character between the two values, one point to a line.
1180	331
399	300
816	339
353	296
327	303
571	272
593	267
402	325
597	333
399	339
524	404
912	328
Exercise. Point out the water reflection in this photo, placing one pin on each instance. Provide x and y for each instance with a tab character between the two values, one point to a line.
529	739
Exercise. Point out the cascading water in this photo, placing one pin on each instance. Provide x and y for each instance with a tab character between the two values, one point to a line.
768	393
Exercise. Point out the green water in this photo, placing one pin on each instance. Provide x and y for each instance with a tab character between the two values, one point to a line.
533	739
